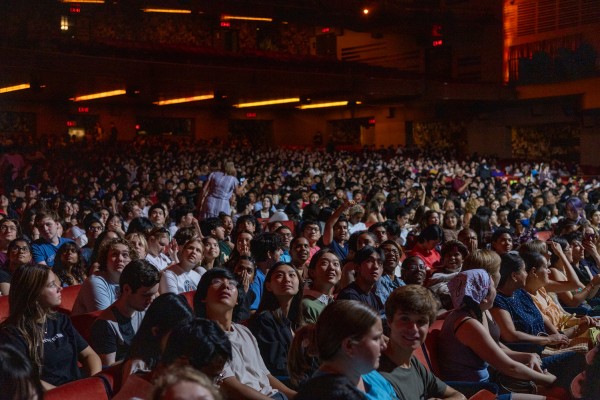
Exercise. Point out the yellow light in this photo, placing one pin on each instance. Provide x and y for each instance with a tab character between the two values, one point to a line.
83	1
365	11
268	102
324	105
184	99
166	10
14	88
244	18
99	95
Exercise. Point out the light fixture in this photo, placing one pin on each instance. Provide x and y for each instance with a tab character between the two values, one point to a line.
14	88
184	99
167	10
268	102
83	1
99	95
366	11
244	18
324	105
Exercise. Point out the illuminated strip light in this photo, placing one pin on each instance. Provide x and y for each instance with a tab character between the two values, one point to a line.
244	18
166	10
324	105
94	96
83	1
184	100
268	102
14	88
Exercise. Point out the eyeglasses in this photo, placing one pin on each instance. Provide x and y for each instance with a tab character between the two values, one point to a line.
218	283
415	267
95	228
5	228
17	249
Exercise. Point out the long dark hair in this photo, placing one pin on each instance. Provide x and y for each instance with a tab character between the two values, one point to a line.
18	379
269	301
78	271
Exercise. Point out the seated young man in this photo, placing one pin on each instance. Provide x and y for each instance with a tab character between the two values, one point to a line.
245	376
114	329
410	310
44	249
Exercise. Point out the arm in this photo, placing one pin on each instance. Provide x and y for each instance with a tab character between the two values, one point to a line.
168	283
572	281
328	231
90	361
474	335
46	386
452	394
37	255
104	342
509	333
235	390
276	384
574	299
4	288
101	296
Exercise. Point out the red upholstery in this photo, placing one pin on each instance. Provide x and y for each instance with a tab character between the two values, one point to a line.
190	297
88	388
421	357
113	376
483	395
544	235
69	294
290	224
83	323
4	310
431	344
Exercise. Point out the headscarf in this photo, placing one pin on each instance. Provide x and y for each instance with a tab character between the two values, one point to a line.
474	283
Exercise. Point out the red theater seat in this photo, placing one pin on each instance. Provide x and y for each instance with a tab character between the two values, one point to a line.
69	294
88	388
83	323
4	310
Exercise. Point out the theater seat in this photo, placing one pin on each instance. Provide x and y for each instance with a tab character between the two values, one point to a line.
4	310
113	377
88	388
69	294
544	235
83	323
189	296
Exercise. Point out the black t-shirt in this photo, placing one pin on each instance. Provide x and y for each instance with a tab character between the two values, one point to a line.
62	345
5	276
115	335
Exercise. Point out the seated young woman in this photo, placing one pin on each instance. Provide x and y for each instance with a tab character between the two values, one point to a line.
469	340
278	316
349	336
47	338
324	272
585	327
410	310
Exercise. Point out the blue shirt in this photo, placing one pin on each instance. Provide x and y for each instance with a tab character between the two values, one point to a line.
257	288
340	251
377	387
525	315
285	257
386	285
43	251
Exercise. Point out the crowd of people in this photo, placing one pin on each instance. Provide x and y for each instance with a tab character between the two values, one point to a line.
315	273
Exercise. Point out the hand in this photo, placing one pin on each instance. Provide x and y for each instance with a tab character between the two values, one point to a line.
558	339
554	247
595	280
551	378
589	246
534	361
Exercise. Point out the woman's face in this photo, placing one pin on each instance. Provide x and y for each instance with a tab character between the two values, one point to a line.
118	258
434	219
242	243
365	240
191	255
266	203
596	218
243	268
284	281
104	214
520	276
69	256
138	245
114	224
20	254
368	349
542	271
451	221
50	296
228	225
328	270
577	250
211	249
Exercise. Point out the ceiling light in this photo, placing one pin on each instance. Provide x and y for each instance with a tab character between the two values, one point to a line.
167	10
245	18
324	105
268	102
184	99
99	95
14	88
83	1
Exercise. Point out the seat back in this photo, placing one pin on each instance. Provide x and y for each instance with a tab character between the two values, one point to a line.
113	377
83	324
69	294
88	388
431	345
189	296
4	310
544	235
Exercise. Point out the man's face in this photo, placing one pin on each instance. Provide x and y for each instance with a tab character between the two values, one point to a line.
141	299
48	228
286	237
157	216
340	231
370	270
408	330
312	233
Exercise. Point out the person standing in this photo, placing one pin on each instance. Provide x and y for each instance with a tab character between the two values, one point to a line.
218	190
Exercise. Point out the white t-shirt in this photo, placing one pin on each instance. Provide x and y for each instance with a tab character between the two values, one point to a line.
161	261
175	280
246	362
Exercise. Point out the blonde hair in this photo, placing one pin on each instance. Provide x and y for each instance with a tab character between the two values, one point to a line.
230	168
485	259
176	374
